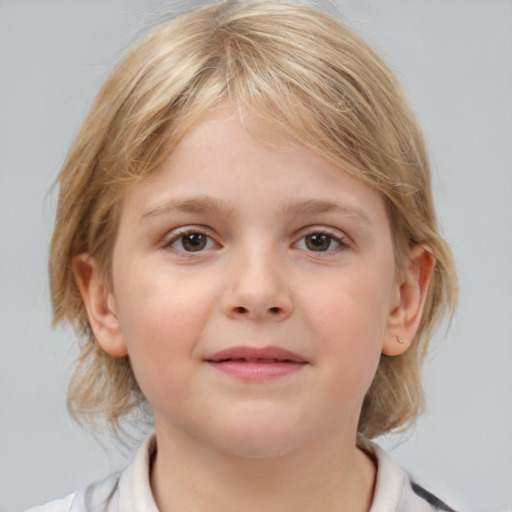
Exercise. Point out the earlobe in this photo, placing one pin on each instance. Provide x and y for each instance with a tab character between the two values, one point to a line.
410	296
100	304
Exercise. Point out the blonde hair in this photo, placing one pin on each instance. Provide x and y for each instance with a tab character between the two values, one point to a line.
295	66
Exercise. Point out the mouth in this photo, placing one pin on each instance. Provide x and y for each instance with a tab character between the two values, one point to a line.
256	364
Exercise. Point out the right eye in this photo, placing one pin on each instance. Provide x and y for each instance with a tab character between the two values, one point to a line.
191	241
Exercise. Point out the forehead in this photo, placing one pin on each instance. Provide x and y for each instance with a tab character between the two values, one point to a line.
226	162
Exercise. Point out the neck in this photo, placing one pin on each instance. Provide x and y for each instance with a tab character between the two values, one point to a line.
187	476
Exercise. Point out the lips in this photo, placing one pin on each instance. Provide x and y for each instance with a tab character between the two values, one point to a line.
256	364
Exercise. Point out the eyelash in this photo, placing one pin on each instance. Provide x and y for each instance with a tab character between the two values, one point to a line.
175	237
210	243
341	241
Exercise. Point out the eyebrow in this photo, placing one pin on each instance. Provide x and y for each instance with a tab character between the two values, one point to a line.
312	206
200	204
206	204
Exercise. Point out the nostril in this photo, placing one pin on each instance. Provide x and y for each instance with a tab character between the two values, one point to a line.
241	309
274	310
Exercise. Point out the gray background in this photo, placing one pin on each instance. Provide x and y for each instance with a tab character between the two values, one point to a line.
454	58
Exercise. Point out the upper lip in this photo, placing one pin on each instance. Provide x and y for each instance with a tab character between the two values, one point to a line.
255	353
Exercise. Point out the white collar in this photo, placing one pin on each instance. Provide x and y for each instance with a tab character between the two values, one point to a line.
135	488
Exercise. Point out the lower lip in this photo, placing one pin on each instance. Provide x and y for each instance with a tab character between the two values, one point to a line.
257	371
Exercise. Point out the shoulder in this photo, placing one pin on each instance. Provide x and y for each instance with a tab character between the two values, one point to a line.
396	491
428	497
98	496
126	490
62	505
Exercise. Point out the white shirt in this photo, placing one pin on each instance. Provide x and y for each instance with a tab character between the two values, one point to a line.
130	491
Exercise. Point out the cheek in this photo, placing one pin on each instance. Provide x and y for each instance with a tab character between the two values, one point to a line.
162	320
350	320
158	303
355	308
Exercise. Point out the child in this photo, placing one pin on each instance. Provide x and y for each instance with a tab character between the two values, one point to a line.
246	241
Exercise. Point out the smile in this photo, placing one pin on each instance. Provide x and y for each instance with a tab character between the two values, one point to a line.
256	364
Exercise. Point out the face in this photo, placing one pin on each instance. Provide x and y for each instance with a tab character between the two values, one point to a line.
254	289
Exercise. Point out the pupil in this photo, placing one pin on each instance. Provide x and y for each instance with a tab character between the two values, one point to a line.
194	242
318	242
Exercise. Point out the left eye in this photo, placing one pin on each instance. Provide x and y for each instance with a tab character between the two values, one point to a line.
319	242
194	241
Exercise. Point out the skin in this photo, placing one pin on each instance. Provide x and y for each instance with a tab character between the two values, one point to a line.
258	198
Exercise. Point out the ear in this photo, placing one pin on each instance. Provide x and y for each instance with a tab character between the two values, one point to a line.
100	304
409	299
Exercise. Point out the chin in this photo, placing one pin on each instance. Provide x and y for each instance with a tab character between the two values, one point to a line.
258	445
256	436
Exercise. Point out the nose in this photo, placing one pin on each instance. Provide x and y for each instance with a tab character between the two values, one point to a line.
258	290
